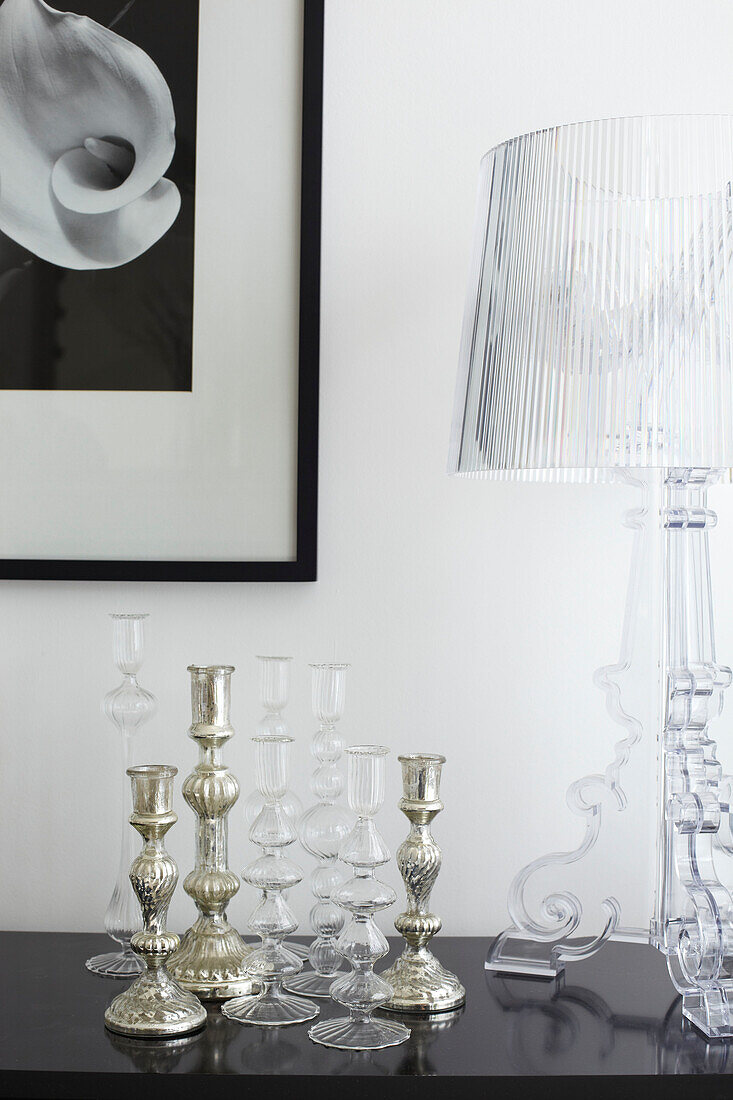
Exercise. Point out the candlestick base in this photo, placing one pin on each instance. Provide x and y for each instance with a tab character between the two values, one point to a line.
211	961
115	964
421	984
155	1006
312	984
347	1033
270	1008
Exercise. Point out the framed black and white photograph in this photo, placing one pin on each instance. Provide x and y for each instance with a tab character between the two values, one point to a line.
160	177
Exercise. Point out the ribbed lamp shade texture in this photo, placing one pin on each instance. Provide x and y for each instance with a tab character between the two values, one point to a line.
597	331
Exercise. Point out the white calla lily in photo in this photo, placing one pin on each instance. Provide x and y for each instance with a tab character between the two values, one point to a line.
87	131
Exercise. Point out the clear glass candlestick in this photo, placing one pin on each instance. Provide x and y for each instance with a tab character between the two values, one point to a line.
323	829
361	942
128	707
272	873
274	695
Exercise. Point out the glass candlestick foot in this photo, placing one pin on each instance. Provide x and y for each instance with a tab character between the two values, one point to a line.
312	984
347	1033
273	1008
115	964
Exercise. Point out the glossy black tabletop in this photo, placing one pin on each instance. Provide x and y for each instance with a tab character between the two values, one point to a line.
615	1014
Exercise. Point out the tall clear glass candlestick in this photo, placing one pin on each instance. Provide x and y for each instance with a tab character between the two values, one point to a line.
272	873
274	695
127	707
362	991
323	828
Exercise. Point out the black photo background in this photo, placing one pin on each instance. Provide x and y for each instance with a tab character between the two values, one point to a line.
127	327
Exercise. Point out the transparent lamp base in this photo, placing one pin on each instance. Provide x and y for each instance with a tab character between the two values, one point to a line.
708	1012
347	1033
116	964
512	953
270	1008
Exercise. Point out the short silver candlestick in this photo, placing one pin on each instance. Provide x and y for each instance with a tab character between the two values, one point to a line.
155	1006
420	984
211	959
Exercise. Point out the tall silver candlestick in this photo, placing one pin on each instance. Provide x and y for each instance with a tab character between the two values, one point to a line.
155	1006
419	982
210	961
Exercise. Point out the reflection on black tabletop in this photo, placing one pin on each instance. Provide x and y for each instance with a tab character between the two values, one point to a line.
424	1032
557	1028
150	1055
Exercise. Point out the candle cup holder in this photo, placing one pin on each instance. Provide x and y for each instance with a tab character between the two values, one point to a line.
211	959
155	1006
272	873
361	942
419	983
127	707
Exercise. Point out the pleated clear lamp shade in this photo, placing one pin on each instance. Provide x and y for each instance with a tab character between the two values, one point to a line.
597	332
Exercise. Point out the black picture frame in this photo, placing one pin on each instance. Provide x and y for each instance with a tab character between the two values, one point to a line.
304	566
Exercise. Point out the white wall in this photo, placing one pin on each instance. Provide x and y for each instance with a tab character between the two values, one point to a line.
473	613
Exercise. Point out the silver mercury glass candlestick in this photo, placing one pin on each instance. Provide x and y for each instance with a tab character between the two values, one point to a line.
419	983
127	707
210	961
155	1006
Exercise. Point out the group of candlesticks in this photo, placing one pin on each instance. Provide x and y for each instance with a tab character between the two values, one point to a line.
265	984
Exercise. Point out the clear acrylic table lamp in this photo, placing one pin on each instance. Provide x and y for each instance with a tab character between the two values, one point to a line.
127	707
597	344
